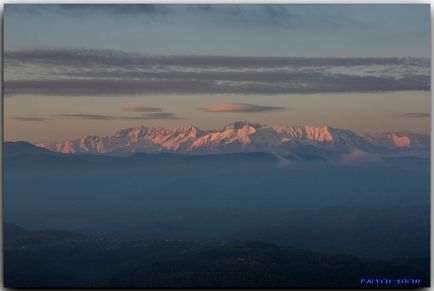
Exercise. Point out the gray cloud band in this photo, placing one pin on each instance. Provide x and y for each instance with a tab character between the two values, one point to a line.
92	72
277	15
77	57
413	115
142	109
31	119
145	116
76	10
138	87
240	108
85	116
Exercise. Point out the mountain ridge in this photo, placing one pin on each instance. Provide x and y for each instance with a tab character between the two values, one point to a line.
239	137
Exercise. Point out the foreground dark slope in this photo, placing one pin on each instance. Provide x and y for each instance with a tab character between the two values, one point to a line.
54	258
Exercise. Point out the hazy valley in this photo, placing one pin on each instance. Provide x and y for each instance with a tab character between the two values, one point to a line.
318	200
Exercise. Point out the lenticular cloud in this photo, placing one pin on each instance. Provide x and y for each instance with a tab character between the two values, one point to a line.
240	107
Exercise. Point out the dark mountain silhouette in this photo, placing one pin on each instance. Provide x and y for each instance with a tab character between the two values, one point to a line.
19	148
66	261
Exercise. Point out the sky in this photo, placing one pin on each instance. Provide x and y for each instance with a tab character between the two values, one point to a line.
76	70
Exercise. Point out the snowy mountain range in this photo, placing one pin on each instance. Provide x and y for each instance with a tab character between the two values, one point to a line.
243	136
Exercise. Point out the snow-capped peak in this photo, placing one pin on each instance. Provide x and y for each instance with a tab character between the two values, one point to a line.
239	136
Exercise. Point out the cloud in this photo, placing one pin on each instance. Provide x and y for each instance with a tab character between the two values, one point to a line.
357	156
77	10
86	116
97	87
142	109
240	107
115	9
275	15
235	13
145	116
79	57
413	115
160	115
148	116
104	72
29	118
